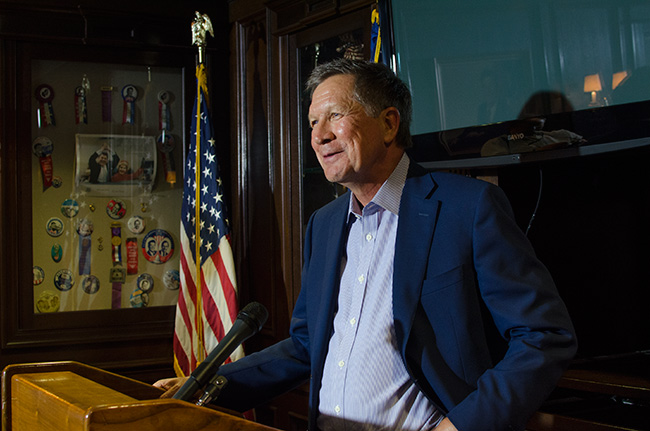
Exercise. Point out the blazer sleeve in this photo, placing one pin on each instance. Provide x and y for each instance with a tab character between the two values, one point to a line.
528	312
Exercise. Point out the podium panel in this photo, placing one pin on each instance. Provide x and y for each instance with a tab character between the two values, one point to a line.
68	396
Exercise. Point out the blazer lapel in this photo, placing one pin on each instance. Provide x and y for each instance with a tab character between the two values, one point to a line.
327	300
418	216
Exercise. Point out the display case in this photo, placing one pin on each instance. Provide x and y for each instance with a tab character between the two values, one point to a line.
91	192
104	185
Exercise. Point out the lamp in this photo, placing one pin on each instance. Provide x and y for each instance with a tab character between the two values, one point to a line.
593	85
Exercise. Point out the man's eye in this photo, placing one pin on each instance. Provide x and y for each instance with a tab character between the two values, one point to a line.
313	123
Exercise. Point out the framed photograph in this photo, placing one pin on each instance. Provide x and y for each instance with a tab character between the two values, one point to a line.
114	165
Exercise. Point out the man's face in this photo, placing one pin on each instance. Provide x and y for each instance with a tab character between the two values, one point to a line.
103	159
347	142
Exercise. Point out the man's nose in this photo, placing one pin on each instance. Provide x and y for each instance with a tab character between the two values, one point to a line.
321	133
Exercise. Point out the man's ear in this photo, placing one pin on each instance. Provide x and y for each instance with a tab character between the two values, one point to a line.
390	120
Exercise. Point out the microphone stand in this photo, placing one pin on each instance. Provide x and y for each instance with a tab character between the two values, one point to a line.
212	390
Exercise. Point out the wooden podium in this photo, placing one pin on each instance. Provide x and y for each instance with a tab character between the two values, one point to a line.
70	396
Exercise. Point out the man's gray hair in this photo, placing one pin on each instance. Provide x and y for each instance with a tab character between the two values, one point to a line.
375	87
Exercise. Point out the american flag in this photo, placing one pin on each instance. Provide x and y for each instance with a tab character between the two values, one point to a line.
207	305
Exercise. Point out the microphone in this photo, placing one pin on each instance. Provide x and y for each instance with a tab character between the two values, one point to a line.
248	323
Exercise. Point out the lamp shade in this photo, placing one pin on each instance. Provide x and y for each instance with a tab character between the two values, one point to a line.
618	78
592	83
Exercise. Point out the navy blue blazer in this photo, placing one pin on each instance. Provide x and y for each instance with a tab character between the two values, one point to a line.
462	269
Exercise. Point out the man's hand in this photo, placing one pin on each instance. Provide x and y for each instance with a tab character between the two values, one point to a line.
171	386
445	425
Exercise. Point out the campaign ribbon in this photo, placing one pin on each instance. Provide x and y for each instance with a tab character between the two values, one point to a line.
46	170
131	256
129	94
117	278
80	110
116	242
166	145
85	229
107	104
42	148
116	295
44	95
84	255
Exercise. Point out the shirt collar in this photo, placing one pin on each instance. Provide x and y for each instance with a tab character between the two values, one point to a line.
389	195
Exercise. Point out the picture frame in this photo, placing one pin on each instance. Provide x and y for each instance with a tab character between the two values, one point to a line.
114	165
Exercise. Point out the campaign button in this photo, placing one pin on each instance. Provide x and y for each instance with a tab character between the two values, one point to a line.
48	302
139	299
57	252
90	284
116	209
172	279
136	224
85	227
157	246
145	283
54	226
63	280
39	275
129	93
44	93
42	146
163	96
69	208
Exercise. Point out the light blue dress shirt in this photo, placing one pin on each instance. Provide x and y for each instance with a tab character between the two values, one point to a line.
365	384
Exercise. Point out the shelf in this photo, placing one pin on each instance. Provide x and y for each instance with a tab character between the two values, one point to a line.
537	156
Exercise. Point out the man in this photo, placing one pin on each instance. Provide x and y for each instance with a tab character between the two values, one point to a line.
101	164
403	280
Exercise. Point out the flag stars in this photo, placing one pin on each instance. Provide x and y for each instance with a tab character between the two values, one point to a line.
209	156
207	172
208	246
204	189
211	228
204	207
211	141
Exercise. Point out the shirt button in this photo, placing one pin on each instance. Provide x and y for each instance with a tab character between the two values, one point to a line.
341	363
353	321
337	409
368	237
361	278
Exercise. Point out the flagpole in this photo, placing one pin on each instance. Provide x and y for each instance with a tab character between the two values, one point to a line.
200	26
